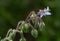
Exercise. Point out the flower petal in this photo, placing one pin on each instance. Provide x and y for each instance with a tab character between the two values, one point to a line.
47	13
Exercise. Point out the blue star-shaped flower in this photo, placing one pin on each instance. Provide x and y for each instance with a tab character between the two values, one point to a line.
44	12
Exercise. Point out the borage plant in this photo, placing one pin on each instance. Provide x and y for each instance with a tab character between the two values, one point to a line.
32	24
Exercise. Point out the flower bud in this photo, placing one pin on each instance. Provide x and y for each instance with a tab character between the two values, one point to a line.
33	14
34	33
22	39
5	39
10	40
41	25
25	27
0	38
12	35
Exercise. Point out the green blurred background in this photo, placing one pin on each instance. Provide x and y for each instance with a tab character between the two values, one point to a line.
12	11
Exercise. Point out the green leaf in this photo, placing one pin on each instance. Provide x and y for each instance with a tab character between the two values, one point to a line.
34	33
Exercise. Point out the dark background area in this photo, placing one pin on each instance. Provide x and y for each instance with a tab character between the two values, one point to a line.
12	11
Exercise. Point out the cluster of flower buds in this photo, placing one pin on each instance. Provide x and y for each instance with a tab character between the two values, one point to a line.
10	35
32	23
